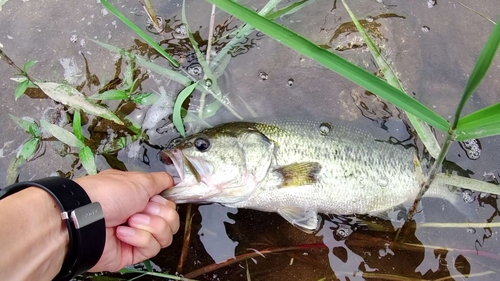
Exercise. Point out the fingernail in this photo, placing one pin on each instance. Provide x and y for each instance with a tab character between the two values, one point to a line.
140	219
152	209
125	231
158	199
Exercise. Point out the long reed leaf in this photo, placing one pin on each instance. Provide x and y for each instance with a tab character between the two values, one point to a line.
334	62
484	116
139	32
176	116
482	65
424	132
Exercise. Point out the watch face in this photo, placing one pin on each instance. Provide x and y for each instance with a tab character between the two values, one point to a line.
87	214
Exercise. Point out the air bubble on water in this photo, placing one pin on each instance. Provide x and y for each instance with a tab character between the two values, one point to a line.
290	82
369	19
425	28
325	128
181	30
467	196
343	232
208	82
471	230
263	76
472	148
431	3
195	69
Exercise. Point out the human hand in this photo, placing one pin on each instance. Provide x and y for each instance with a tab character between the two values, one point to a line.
132	198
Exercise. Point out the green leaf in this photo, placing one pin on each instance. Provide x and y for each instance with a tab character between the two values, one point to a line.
335	63
28	65
63	135
20	89
28	148
176	117
110	95
482	65
68	95
144	98
77	125
139	32
88	160
27	124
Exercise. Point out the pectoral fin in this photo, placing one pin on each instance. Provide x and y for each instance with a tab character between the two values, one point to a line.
298	174
306	220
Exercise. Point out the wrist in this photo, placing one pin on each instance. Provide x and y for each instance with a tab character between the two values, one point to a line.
35	244
83	219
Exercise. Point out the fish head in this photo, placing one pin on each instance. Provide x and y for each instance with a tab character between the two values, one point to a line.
224	164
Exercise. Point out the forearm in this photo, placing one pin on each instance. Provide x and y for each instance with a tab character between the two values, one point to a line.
33	237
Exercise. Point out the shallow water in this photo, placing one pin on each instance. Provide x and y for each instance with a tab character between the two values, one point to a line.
433	47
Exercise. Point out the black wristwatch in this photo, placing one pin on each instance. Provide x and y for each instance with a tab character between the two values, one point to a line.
84	220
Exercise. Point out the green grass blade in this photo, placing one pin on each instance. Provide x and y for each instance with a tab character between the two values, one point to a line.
139	32
476	185
424	132
334	62
485	130
176	117
88	160
290	9
483	116
480	69
171	74
239	36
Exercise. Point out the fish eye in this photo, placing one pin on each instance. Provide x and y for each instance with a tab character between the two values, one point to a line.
202	144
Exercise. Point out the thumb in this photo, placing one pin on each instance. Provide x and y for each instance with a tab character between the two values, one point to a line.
158	182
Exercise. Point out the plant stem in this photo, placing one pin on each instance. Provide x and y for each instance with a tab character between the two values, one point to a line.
187	238
209	47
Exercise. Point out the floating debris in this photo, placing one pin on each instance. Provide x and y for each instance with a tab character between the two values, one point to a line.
263	76
290	82
73	38
425	28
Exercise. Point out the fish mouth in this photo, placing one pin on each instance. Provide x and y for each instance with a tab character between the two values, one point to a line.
176	159
173	161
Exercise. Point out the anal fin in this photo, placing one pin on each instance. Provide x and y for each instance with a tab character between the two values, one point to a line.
298	174
306	220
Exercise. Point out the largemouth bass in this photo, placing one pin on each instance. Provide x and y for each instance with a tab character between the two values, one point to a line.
295	168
